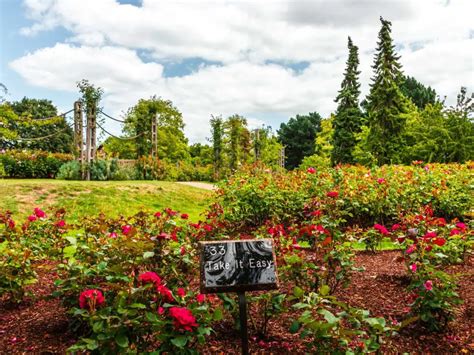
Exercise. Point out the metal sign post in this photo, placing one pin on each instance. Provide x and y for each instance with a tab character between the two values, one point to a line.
243	322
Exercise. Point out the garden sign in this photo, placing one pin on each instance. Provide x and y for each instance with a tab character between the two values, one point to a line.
238	266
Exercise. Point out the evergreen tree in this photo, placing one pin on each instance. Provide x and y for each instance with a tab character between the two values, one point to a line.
348	119
298	136
386	105
417	92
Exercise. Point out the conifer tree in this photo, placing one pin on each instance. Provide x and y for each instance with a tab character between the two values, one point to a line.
386	104
348	118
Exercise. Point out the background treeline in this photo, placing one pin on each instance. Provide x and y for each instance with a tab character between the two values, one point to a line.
399	121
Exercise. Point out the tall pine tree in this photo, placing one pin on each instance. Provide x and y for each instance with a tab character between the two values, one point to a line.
386	104
348	118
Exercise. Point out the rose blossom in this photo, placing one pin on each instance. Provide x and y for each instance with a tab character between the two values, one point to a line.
428	285
332	194
39	213
90	299
413	267
32	218
381	229
149	277
311	170
183	318
126	229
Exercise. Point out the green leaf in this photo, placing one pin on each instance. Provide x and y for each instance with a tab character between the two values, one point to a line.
180	341
72	240
137	305
324	290
294	327
298	291
69	251
148	254
217	316
330	318
152	317
122	340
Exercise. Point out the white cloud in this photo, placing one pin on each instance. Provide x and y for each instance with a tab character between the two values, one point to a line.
244	36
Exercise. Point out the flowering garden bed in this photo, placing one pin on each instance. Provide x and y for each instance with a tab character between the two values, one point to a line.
131	284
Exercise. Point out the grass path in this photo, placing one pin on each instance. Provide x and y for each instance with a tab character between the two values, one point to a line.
81	198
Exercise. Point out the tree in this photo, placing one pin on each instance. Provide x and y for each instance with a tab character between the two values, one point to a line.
238	139
119	148
201	153
35	119
3	93
217	140
298	137
172	144
419	94
386	104
348	118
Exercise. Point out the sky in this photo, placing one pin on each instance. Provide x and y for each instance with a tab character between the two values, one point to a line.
267	60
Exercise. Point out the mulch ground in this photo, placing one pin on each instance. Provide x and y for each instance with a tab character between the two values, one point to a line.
40	325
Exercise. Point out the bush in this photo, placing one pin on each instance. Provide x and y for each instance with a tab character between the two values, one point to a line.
148	168
32	164
70	171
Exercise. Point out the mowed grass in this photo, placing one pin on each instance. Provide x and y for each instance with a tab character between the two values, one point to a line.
89	198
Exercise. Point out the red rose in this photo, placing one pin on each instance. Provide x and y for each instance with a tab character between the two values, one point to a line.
181	292
184	216
165	292
157	214
381	229
126	229
200	298
439	241
32	218
149	277
332	194
183	318
60	223
39	213
311	170
90	299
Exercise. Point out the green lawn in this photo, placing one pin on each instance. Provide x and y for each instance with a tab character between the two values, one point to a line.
81	198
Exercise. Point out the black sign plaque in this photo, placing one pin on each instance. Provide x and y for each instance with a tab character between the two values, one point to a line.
238	265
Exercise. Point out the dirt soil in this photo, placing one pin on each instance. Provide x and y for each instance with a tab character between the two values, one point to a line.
40	325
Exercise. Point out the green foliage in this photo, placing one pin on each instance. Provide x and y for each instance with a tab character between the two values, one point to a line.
419	94
38	118
267	146
238	141
172	144
348	117
332	326
119	148
298	137
440	135
70	171
148	168
386	104
217	139
32	164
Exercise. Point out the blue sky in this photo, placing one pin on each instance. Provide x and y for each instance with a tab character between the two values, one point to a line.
265	60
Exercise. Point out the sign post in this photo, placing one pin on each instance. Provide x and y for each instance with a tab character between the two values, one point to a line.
238	266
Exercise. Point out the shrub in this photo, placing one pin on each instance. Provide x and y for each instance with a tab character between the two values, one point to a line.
32	164
70	171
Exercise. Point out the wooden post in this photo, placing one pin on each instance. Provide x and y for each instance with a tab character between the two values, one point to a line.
87	173
78	127
154	137
282	157
257	144
93	131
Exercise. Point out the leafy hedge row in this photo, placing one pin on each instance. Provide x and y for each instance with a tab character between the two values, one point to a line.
32	164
